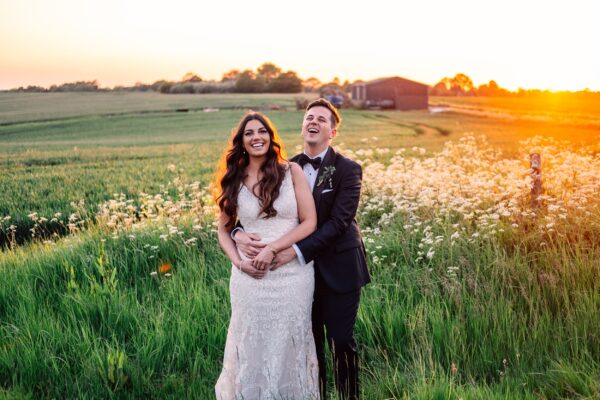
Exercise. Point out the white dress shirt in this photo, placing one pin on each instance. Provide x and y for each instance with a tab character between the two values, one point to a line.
310	172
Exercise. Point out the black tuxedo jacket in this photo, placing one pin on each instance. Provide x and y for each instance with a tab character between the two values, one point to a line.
336	247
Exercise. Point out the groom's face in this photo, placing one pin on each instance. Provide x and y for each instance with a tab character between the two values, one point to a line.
317	127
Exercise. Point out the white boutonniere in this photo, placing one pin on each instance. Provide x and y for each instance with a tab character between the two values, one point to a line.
326	176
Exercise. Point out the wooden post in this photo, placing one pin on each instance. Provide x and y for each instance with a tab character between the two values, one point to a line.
535	160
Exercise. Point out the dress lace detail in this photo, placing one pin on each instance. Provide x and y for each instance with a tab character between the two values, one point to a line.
270	350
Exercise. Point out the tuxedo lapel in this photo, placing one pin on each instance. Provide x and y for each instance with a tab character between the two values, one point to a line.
328	161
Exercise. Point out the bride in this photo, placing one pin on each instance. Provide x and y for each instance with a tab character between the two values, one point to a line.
270	350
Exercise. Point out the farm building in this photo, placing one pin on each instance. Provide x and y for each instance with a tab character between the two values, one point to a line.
392	92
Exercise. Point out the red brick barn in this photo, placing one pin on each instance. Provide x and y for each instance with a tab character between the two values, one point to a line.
393	92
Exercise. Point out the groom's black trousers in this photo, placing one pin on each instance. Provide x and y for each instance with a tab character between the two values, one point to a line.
333	318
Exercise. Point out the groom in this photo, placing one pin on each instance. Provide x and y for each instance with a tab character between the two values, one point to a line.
336	246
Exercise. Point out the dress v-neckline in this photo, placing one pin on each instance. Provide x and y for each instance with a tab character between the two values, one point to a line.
252	191
249	191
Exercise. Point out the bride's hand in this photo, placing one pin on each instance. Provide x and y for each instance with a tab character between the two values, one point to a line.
264	259
248	243
246	267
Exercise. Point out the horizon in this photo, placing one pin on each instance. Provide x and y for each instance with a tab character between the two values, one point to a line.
538	45
110	88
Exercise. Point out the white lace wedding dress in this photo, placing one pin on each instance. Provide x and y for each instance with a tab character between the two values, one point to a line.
270	349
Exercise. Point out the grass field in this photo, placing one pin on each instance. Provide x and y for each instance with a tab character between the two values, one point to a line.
474	295
59	148
556	108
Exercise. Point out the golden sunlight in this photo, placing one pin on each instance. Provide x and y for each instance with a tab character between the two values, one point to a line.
515	43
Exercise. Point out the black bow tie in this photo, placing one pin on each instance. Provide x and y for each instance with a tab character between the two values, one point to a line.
315	162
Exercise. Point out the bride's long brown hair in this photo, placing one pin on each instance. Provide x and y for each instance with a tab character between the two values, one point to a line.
232	171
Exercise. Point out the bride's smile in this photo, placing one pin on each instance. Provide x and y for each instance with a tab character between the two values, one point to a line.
256	139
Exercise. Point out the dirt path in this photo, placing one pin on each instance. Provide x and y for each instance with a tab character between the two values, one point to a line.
418	127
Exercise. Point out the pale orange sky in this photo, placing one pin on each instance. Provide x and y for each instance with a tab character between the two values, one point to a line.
519	43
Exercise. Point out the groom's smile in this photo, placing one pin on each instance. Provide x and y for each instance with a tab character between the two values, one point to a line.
317	128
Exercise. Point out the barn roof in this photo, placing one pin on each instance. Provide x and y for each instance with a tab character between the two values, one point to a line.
378	80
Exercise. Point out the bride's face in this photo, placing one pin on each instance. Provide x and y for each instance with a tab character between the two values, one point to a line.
256	138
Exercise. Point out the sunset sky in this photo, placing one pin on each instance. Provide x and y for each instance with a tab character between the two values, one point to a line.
519	43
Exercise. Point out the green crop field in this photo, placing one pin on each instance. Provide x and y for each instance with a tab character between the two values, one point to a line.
475	295
59	148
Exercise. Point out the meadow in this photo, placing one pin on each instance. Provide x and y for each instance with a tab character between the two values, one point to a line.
475	295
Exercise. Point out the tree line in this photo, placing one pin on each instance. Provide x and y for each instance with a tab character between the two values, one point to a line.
269	78
462	85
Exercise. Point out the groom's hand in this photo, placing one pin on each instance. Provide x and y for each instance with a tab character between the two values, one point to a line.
283	257
248	243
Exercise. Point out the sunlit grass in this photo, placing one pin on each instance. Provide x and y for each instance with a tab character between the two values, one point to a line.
474	295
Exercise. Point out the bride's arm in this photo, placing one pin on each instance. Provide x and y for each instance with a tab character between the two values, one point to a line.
228	246
307	215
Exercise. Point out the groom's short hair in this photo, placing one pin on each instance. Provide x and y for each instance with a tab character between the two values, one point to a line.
335	115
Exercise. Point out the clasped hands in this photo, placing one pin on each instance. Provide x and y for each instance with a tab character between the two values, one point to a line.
261	256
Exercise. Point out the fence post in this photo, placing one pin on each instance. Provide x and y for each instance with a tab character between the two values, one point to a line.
535	160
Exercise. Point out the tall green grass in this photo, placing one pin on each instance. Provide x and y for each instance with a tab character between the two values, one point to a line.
91	316
509	323
65	325
514	320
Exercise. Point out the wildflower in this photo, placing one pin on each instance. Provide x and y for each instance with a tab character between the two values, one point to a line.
164	268
430	253
191	240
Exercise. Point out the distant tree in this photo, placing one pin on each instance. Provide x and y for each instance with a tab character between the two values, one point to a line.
249	82
459	85
182	87
331	89
230	75
286	82
157	85
165	87
491	89
268	71
30	88
311	84
140	87
346	86
191	77
440	89
462	83
79	86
